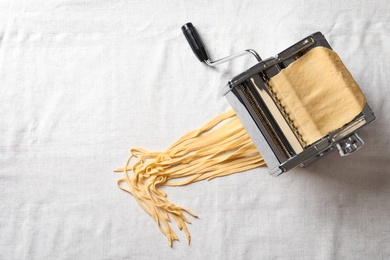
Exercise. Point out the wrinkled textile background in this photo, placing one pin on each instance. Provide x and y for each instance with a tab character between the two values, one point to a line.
83	81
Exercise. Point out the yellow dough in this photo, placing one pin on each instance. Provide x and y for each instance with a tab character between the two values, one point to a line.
317	94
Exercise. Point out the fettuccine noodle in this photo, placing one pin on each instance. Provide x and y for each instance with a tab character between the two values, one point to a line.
220	147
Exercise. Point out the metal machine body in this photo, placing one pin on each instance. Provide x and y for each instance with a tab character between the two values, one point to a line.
263	120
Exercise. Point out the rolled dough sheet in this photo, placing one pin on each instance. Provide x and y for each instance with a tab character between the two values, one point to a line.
318	94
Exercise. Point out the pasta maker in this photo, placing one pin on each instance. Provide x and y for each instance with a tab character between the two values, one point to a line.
261	117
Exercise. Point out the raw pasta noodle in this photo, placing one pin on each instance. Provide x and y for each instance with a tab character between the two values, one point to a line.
220	147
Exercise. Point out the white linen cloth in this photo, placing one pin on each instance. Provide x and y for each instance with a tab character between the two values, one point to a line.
83	81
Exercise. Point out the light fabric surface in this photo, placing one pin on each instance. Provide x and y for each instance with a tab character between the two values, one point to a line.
83	81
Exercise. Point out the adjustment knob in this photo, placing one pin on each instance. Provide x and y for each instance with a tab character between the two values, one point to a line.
349	145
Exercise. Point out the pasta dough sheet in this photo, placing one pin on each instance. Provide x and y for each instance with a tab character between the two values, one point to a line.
318	94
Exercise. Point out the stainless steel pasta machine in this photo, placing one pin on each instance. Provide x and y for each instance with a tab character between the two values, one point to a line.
261	117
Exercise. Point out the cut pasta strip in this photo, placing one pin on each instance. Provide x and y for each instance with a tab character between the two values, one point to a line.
220	147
